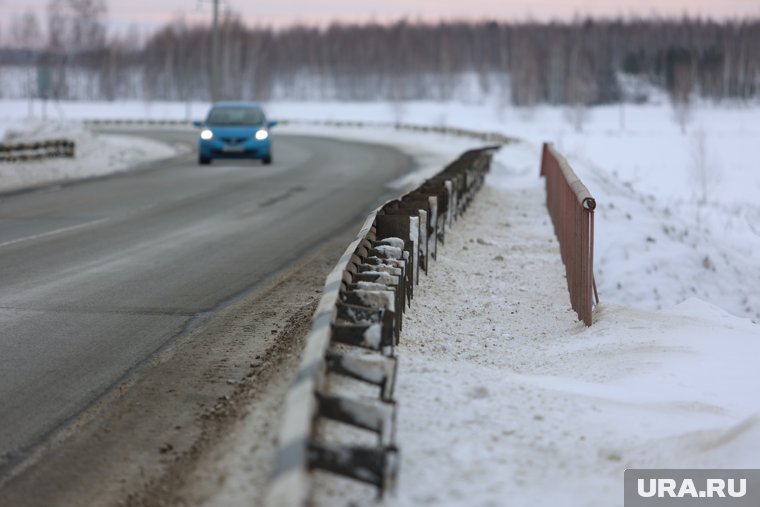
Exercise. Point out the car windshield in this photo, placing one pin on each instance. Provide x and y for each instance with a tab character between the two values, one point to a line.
235	116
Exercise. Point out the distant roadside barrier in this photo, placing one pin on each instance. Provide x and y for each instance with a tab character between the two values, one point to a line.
37	150
137	121
354	333
572	210
486	137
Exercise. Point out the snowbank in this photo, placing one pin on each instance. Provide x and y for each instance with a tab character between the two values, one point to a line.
96	154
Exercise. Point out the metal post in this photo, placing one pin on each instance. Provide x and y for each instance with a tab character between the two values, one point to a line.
215	54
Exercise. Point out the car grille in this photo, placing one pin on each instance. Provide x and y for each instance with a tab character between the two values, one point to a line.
232	140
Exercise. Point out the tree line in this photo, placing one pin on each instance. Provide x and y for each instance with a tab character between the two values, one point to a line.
580	62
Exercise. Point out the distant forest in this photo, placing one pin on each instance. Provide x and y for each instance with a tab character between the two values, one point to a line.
582	62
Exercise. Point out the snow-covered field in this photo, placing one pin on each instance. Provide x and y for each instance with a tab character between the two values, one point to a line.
504	397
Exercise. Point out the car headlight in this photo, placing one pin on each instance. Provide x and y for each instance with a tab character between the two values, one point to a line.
206	134
261	134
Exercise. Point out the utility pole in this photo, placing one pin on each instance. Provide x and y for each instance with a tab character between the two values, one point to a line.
215	54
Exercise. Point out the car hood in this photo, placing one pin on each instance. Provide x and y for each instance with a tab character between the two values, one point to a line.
234	131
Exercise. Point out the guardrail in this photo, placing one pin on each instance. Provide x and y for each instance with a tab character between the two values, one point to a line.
572	210
137	121
361	311
37	150
486	137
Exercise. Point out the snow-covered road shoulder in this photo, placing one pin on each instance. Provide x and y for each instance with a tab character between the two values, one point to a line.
505	395
96	154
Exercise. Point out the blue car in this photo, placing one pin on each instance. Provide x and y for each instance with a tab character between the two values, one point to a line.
235	130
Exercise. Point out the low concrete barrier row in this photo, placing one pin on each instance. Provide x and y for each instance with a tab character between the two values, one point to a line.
354	334
37	150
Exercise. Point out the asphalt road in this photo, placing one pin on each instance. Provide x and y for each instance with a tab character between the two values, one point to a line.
96	277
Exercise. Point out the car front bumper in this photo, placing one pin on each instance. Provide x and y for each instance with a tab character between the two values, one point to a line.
251	148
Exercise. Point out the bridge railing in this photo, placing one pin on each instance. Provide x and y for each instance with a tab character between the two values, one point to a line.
571	208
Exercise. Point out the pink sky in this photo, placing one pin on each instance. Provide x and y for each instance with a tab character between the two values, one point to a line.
284	12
